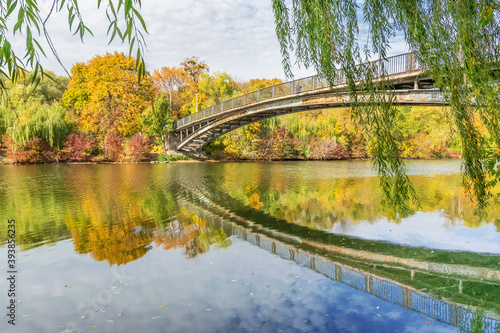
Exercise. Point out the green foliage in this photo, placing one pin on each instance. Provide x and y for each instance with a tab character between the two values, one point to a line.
28	111
33	118
29	20
157	120
172	158
217	87
456	41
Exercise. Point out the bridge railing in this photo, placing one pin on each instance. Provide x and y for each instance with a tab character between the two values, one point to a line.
396	65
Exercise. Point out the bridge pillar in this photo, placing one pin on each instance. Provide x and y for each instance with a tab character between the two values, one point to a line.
171	141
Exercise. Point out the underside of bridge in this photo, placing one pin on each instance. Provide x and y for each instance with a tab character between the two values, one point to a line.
409	89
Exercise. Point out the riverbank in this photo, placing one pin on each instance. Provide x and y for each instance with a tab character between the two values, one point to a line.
160	158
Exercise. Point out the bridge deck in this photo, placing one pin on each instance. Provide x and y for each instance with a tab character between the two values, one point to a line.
196	130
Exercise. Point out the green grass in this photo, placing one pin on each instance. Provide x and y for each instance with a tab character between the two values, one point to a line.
172	158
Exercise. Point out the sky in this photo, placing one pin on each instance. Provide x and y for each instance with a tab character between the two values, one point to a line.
236	36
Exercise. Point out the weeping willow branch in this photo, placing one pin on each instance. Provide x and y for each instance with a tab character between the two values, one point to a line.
458	42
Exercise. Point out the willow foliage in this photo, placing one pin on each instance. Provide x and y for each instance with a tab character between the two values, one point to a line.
457	41
29	18
33	119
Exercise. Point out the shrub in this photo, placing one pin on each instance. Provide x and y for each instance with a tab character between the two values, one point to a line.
138	147
113	147
453	154
327	150
35	150
172	158
79	147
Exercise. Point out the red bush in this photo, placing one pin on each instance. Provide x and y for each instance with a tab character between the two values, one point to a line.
79	147
113	146
138	147
33	151
453	154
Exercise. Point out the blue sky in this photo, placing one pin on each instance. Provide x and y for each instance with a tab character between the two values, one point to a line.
236	36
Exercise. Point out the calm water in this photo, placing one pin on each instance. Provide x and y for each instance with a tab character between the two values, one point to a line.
245	247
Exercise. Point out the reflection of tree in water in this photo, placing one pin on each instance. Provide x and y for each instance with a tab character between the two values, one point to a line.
192	233
321	203
128	240
117	244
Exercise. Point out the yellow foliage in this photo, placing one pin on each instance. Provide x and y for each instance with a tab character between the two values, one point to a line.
106	95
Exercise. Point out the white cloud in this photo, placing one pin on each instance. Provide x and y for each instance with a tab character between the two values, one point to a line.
236	36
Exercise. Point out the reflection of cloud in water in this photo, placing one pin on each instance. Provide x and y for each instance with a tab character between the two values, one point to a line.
245	288
427	229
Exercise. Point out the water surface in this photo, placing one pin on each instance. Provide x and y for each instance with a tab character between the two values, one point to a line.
246	247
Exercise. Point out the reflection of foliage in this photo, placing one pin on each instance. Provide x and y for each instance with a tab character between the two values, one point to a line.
192	233
254	201
114	220
321	204
118	243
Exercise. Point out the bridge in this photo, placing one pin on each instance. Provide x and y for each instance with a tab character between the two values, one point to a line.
411	87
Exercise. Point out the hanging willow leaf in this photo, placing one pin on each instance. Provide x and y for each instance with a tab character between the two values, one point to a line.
28	17
457	41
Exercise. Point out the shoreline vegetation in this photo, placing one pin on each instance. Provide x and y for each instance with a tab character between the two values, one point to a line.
102	115
155	158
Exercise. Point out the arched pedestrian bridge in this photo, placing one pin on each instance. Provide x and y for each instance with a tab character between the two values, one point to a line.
191	133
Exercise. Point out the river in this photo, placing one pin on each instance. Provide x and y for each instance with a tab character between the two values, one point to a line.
245	247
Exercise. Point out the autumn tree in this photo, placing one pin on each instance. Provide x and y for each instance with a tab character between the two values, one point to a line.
174	82
216	87
194	67
256	84
181	84
106	96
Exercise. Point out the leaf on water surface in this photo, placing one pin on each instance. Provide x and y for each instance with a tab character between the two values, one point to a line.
120	314
162	306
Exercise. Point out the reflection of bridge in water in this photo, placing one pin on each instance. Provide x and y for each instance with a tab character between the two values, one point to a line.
442	310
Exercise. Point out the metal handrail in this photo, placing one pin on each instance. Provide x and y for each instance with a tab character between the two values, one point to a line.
396	65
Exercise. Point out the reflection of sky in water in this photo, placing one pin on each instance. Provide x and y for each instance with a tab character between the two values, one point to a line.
427	229
241	289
